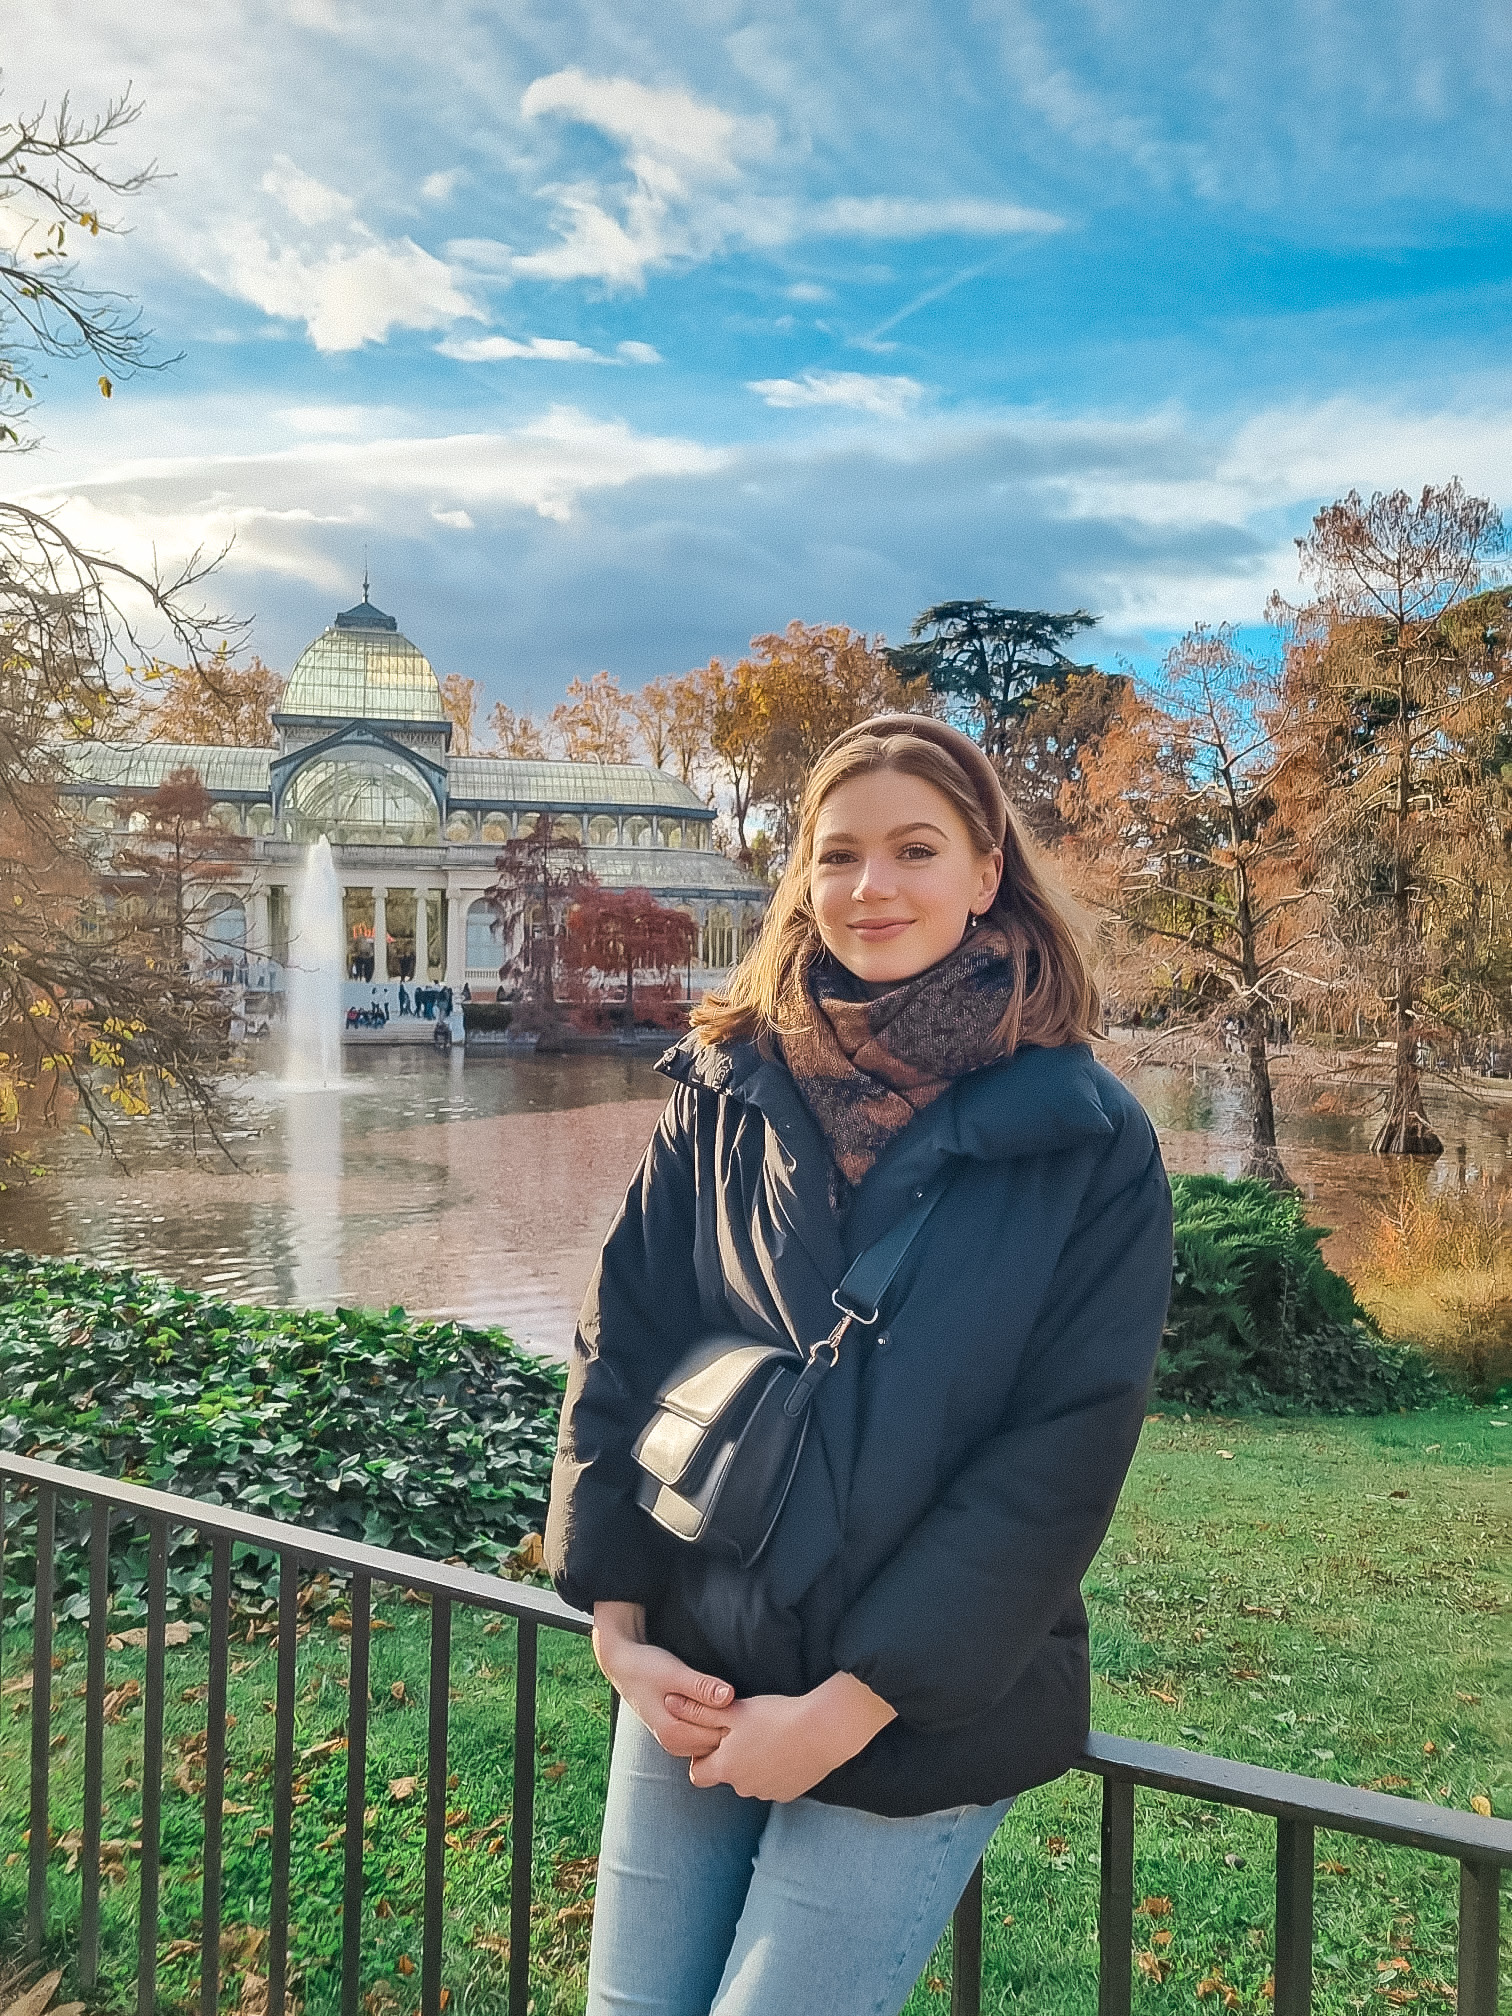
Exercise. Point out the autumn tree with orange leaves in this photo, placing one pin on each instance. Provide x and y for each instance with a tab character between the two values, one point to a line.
1179	832
1394	676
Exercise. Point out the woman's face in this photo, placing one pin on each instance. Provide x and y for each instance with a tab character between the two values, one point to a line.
895	875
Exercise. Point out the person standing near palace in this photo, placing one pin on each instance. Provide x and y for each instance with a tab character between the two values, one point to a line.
822	1742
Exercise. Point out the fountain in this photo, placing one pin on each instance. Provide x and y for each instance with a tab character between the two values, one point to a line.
317	966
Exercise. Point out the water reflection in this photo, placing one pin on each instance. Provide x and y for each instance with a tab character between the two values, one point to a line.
481	1186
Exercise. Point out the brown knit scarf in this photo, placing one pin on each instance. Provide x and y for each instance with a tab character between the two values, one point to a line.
865	1067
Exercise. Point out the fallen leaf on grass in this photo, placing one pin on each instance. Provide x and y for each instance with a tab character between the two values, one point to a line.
338	1621
1472	1700
401	1789
383	1908
1213	1983
1227	1455
1334	1868
20	1685
176	1633
397	1691
1396	1965
1153	1907
405	1965
1152	1966
1161	1938
935	1985
572	1915
327	1749
1479	1803
1159	1694
1388	1784
120	1698
554	1771
1256	1610
492	1942
1430	1749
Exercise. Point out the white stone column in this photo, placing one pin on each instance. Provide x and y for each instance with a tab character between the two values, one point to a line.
422	936
380	934
259	937
457	901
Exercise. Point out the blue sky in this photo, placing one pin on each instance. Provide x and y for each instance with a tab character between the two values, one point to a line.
617	333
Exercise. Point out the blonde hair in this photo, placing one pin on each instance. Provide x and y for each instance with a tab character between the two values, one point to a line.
1056	1001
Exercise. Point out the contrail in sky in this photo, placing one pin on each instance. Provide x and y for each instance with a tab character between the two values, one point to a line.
922	301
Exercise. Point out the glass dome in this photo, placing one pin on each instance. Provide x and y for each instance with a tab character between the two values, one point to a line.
362	669
365	799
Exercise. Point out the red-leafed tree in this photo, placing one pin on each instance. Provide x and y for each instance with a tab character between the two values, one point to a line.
627	931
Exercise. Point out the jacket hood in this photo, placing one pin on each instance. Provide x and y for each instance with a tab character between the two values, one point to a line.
1033	1103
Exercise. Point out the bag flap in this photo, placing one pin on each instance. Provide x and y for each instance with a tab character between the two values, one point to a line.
668	1445
710	1380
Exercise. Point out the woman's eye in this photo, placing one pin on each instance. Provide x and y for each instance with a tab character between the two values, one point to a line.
835	857
918	850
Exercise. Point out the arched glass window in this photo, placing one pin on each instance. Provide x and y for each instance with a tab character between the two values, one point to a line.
603	831
363	799
496	826
461	826
671	833
259	819
638	832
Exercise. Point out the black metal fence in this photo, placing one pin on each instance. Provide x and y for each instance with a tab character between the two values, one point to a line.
1482	1846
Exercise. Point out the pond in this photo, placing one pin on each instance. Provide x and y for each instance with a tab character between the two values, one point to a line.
480	1186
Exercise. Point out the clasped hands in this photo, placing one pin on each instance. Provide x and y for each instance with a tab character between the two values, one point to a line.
767	1746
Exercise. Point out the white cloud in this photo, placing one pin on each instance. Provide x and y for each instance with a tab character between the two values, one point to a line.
534	349
346	295
483	255
438	188
808	290
280	507
886	398
639	353
326	419
680	153
925	217
305	199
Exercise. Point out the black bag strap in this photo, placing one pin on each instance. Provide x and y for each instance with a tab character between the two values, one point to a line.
870	1274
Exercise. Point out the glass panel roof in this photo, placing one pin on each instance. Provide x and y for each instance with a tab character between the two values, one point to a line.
496	780
124	766
364	674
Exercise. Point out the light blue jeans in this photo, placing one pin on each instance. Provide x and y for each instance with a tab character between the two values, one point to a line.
713	1905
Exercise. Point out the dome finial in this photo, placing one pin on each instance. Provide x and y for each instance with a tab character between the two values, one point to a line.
364	572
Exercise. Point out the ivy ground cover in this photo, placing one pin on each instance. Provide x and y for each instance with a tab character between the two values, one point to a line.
1324	1596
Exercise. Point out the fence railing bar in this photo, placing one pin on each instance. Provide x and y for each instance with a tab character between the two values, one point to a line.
215	1771
1295	1848
1284	1795
522	1819
435	1807
152	1766
1115	1914
283	1782
1479	1940
41	1728
352	1888
94	1745
305	1544
966	1950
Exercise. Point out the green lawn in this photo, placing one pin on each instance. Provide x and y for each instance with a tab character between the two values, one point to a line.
1327	1596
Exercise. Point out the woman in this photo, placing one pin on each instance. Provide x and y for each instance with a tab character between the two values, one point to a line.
821	1745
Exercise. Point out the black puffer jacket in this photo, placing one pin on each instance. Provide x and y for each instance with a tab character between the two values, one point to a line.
967	1459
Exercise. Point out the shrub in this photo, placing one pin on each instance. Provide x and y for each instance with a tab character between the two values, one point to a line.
494	1016
1259	1320
428	1437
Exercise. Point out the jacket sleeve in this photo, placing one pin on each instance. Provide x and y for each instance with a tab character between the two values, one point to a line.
639	1317
950	1622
